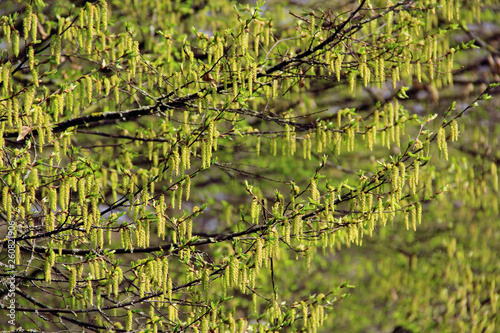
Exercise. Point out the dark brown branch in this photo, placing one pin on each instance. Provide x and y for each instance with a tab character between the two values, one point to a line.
94	119
318	47
45	308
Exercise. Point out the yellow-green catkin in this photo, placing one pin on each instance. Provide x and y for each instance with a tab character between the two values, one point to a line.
55	48
315	195
338	66
371	137
394	180
494	176
414	218
89	292
7	32
27	21
72	279
297	225
419	213
255	211
454	130
307	145
395	77
304	313
352	81
451	57
442	144
259	254
15	43
31	57
88	86
129	321
48	266
350	138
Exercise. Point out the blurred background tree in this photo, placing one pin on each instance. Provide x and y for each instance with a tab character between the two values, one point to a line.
216	166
